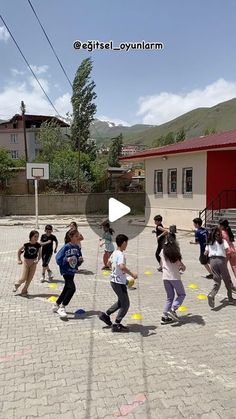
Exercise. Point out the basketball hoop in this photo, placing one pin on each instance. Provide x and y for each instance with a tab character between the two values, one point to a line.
37	177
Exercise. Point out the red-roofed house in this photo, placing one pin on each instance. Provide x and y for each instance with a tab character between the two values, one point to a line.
184	178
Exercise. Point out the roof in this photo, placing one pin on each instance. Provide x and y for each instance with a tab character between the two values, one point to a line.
38	118
221	140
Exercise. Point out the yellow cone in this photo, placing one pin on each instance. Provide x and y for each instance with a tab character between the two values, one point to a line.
52	286
202	297
53	298
137	316
147	273
183	308
106	273
193	286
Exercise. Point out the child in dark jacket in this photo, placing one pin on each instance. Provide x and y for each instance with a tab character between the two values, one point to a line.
68	258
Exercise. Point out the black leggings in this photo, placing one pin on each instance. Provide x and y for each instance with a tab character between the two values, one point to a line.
123	301
159	249
68	290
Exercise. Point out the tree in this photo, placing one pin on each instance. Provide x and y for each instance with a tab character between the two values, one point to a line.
115	151
210	131
83	107
5	164
180	136
51	140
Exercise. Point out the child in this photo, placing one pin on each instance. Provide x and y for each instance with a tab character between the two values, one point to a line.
73	226
215	250
32	254
201	237
68	258
46	242
160	232
227	235
119	285
107	240
171	261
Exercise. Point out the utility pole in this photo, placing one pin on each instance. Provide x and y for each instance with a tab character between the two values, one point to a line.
23	108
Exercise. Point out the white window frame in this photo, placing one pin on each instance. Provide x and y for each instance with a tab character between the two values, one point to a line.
14	138
184	181
156	191
170	191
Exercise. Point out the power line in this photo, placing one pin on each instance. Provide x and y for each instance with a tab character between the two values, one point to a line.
36	78
58	59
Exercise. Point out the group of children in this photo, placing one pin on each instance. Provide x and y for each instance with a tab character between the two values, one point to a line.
216	249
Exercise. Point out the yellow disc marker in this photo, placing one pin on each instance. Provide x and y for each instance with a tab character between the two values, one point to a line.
193	286
202	297
106	273
137	316
147	273
183	308
53	298
52	286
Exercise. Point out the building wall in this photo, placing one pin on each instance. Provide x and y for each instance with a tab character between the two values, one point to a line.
221	175
178	209
5	141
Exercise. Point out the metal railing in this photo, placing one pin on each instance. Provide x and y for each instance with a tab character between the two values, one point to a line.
225	199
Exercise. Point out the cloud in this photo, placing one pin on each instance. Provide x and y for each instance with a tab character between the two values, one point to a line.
4	34
35	100
16	72
115	121
163	107
39	69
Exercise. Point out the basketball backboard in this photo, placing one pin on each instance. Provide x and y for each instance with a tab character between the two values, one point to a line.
37	170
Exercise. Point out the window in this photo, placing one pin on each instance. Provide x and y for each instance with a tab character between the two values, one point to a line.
158	182
172	181
15	154
187	181
14	139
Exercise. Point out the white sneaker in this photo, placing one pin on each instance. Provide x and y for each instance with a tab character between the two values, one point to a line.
42	279
62	312
55	308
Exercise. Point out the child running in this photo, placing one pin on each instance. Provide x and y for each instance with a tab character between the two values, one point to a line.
171	261
68	258
73	226
201	237
32	254
215	250
46	242
227	235
119	285
107	241
160	232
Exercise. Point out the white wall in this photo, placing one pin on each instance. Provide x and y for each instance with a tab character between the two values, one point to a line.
179	209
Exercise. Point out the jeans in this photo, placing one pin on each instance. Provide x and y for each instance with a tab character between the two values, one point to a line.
220	271
172	286
123	301
68	290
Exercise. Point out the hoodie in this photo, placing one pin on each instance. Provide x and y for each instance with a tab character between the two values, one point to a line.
71	252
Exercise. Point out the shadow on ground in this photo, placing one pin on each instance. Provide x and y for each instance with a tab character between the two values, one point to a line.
190	319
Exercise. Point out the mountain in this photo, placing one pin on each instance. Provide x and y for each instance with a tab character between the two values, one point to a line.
221	117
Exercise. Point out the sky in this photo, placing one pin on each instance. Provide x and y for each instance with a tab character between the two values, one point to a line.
196	67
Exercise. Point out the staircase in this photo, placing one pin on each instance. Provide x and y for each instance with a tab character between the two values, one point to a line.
229	214
223	206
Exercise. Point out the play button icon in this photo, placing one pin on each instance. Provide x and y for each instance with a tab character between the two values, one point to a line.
117	210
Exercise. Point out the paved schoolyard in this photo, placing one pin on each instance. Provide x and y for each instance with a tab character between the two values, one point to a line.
53	369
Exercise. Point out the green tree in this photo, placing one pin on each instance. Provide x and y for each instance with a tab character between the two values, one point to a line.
115	151
51	140
180	136
83	106
5	164
210	131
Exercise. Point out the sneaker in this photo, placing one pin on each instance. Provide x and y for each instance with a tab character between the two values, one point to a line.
42	279
106	319
62	312
172	314
166	320
210	276
118	327
24	294
232	301
16	286
233	288
55	308
211	301
50	275
159	269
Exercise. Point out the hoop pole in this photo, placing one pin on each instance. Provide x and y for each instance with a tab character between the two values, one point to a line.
36	203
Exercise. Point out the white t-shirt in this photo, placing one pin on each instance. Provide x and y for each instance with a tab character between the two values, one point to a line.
217	249
170	271
117	275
